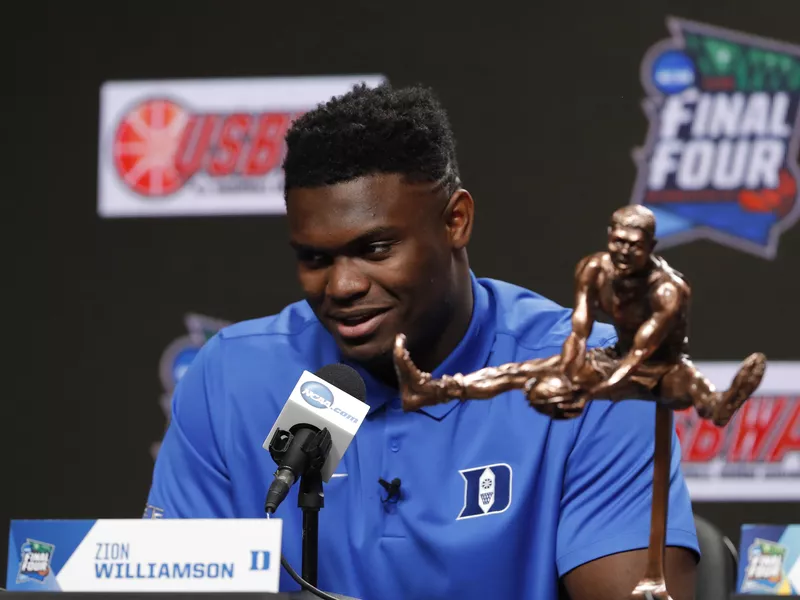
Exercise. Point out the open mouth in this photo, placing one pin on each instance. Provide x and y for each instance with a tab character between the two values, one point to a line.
359	325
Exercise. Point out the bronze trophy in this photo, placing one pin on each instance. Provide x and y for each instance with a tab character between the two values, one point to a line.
648	303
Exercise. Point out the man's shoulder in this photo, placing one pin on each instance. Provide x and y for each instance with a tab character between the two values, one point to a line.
293	320
251	354
294	328
535	321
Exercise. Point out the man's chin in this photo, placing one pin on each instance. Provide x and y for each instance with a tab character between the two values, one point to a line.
376	352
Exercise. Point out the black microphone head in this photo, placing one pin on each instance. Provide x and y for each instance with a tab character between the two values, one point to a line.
345	378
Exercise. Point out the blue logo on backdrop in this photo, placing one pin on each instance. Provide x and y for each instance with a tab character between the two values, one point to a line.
316	394
177	357
673	72
487	490
719	160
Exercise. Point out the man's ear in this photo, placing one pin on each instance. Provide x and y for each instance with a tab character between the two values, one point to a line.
458	218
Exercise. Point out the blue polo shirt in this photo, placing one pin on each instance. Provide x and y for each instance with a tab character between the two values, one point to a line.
497	501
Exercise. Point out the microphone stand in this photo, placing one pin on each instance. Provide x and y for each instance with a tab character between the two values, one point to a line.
306	449
310	499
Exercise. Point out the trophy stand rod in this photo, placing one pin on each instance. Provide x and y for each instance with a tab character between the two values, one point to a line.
653	584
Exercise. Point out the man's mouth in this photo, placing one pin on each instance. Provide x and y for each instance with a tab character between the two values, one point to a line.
360	323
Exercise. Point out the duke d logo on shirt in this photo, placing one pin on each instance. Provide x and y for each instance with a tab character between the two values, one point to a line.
720	159
487	490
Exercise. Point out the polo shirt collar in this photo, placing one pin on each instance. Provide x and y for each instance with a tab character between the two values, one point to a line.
471	354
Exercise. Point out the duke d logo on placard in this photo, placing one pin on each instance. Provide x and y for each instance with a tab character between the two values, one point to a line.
720	159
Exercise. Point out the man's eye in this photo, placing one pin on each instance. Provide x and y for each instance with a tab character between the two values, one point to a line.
314	259
378	248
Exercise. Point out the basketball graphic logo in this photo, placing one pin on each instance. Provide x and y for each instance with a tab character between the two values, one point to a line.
146	145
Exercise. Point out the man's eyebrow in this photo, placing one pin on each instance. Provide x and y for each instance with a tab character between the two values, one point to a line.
375	233
371	235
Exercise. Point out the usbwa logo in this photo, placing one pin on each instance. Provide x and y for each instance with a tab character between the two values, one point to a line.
720	160
316	394
487	490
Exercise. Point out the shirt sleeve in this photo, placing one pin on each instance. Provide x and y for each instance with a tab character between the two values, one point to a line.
606	500
190	478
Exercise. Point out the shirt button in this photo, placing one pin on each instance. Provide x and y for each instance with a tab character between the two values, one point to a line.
394	445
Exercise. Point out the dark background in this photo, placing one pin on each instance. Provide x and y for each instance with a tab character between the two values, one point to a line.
545	101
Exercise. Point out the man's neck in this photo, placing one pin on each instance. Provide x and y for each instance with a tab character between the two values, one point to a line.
460	316
429	355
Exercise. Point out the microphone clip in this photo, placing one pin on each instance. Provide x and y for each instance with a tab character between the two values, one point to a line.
314	447
392	490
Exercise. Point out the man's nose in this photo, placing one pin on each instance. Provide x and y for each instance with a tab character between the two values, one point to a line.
346	281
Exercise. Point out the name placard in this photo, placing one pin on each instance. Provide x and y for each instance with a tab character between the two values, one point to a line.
138	555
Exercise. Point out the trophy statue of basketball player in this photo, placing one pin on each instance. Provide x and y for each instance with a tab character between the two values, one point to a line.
648	303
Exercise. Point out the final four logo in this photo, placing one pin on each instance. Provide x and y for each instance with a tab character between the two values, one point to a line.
720	160
34	561
764	570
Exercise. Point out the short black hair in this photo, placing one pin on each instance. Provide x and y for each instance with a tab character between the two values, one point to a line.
372	130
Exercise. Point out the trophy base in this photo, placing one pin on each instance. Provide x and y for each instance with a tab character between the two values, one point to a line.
648	589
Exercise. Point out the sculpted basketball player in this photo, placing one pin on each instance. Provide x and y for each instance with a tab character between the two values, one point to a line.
648	303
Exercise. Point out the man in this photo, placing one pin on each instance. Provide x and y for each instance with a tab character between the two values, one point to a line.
647	301
496	500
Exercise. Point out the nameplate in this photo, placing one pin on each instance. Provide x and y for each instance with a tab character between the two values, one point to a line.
145	555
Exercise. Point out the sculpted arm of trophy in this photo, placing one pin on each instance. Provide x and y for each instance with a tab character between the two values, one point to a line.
666	303
419	389
491	381
573	354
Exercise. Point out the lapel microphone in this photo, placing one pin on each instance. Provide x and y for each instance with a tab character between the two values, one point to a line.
392	490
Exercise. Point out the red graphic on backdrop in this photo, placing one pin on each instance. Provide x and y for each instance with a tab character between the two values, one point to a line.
780	200
145	146
159	146
764	436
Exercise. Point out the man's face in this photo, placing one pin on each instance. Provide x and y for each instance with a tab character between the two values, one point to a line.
374	259
629	248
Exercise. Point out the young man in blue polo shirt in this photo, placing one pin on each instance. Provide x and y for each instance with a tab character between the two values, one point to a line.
496	500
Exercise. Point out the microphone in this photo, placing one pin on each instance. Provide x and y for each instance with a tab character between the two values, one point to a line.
315	427
392	490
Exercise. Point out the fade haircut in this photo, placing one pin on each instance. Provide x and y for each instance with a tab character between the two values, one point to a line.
372	130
